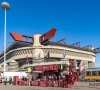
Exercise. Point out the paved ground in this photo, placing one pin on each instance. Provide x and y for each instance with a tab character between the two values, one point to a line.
81	86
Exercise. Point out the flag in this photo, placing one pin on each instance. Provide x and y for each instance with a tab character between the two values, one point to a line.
70	65
39	57
27	59
75	64
48	57
81	66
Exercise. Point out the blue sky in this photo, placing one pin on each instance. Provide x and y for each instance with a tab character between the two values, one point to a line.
75	20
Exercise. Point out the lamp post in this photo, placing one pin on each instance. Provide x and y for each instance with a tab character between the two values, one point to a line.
5	6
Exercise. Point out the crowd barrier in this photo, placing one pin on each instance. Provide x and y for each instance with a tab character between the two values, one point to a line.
60	83
51	83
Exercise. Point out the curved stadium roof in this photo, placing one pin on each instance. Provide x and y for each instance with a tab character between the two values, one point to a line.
17	44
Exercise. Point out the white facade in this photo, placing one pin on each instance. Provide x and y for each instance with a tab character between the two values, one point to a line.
55	52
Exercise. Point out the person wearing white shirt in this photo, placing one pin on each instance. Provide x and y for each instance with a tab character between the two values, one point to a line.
5	80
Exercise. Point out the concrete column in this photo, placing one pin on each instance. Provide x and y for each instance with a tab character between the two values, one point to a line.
89	64
37	61
92	64
1	68
97	72
6	66
85	63
13	66
36	54
36	40
91	72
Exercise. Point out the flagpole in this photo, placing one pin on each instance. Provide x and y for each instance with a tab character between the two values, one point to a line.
78	75
77	85
32	56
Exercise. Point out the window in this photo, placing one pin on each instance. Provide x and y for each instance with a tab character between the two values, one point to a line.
98	72
88	73
94	72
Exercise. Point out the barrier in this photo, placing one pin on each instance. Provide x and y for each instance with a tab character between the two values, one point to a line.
69	86
49	84
42	83
26	83
23	83
60	83
67	82
34	83
16	78
64	84
20	82
56	83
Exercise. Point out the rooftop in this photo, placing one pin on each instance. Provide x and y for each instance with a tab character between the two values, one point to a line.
17	44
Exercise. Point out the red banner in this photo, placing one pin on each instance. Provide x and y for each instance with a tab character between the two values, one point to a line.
46	68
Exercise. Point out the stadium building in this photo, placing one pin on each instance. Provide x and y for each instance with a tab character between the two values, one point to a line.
37	49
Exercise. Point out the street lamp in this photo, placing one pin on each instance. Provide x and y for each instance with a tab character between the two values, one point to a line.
5	6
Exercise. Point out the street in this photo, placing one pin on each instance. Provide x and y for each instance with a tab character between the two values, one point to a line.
77	86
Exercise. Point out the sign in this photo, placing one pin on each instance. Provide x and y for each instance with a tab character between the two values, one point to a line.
46	68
